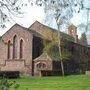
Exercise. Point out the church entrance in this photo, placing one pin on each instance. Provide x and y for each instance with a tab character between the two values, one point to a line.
45	73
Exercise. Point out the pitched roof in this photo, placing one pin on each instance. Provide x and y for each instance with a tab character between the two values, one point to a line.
72	26
42	29
34	33
43	56
30	30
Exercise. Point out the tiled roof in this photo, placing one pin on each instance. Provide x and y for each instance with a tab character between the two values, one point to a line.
35	33
44	28
43	56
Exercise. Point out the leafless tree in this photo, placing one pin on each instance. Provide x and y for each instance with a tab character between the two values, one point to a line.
62	11
10	9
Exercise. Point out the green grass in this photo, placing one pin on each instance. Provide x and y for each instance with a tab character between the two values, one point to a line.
78	82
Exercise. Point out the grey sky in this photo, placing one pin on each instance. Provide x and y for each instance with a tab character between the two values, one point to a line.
37	13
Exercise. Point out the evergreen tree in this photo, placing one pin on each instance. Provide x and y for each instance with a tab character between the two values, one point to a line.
83	39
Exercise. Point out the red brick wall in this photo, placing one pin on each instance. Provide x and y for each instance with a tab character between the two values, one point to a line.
17	64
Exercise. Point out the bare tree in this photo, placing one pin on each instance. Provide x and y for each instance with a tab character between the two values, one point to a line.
62	11
65	8
10	9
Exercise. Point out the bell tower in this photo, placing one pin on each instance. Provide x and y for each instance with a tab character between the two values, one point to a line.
72	31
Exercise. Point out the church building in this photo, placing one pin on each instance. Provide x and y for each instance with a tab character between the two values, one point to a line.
21	49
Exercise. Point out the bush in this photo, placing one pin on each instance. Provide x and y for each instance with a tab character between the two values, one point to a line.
7	85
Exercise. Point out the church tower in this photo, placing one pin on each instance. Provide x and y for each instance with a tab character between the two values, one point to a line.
72	31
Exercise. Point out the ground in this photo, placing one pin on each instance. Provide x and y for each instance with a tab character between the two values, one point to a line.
74	82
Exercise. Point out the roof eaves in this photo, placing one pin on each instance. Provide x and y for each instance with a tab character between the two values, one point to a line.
35	33
43	56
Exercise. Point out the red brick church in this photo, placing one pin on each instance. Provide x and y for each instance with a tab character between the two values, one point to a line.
21	50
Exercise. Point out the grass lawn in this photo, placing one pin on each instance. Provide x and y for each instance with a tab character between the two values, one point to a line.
75	82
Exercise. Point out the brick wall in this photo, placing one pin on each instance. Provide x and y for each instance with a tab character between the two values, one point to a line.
17	64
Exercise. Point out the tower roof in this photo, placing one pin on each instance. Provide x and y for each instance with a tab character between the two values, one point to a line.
72	26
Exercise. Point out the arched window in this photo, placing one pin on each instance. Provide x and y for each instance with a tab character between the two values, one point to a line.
14	47
21	49
41	66
8	50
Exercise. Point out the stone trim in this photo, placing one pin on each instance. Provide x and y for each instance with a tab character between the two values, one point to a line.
11	60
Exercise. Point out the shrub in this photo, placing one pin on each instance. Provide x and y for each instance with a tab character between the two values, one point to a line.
7	85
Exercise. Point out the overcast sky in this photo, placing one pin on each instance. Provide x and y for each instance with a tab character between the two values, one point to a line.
31	14
37	13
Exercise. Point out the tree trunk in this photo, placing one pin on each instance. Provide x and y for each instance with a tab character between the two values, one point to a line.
62	68
59	46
